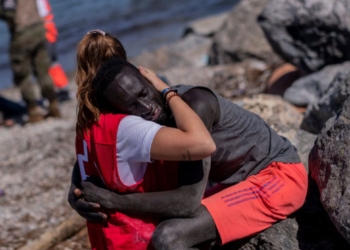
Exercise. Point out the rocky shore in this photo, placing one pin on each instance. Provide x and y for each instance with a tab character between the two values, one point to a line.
273	58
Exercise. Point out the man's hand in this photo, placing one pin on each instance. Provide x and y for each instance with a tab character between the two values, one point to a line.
97	195
88	210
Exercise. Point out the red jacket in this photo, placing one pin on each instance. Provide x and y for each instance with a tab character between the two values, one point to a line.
96	154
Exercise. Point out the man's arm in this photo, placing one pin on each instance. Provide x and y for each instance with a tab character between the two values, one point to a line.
181	202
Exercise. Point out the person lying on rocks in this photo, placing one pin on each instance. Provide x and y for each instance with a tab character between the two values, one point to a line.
260	179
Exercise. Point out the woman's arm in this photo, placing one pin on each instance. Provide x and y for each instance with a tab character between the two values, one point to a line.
191	139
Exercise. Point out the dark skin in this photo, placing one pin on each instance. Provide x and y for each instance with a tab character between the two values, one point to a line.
187	222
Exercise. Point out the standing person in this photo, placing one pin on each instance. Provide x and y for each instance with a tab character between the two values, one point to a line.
59	77
29	56
259	174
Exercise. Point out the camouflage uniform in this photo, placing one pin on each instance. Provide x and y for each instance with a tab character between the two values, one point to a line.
29	55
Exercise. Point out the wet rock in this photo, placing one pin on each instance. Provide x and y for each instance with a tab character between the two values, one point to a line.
329	163
309	34
240	37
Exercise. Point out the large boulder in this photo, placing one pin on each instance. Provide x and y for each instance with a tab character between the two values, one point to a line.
324	92
308	33
310	89
240	37
329	163
318	113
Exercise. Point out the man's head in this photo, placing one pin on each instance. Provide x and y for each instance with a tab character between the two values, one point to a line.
120	87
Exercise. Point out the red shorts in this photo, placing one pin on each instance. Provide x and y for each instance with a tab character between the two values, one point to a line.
258	202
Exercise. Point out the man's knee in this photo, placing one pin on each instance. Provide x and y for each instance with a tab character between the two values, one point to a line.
165	237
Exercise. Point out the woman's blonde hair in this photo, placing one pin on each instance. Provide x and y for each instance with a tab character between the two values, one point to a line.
95	48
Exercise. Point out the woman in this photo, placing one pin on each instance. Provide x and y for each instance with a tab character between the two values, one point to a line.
118	146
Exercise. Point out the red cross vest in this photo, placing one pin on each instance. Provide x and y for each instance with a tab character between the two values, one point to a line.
96	155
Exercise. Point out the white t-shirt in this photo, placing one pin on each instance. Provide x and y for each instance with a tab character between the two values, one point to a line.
134	139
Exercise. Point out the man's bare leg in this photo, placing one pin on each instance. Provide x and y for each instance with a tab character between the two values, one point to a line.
186	232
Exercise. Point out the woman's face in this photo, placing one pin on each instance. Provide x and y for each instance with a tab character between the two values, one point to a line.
130	93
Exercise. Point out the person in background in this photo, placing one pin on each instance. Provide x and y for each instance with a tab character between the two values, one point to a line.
28	54
12	112
59	77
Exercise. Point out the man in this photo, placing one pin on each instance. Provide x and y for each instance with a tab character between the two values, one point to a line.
28	55
261	179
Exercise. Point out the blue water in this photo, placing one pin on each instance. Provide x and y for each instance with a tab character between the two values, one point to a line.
139	24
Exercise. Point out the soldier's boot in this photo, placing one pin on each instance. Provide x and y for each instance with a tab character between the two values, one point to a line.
34	114
54	110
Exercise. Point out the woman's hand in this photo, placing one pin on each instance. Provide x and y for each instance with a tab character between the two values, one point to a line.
154	79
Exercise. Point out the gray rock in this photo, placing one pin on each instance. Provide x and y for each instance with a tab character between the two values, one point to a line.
206	26
310	89
229	80
326	90
191	51
240	37
308	33
329	163
303	141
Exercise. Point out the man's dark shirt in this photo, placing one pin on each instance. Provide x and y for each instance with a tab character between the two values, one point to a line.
245	143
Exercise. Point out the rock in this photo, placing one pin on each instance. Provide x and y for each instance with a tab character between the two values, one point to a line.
206	26
240	37
278	113
191	51
309	34
329	163
36	162
231	80
310	89
240	79
324	92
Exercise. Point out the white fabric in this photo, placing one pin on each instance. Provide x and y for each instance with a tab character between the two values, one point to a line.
42	8
134	139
